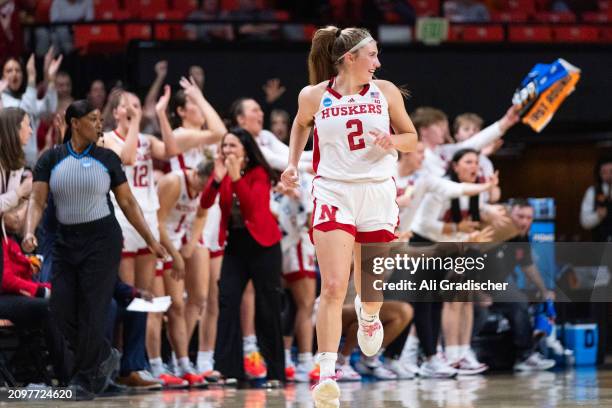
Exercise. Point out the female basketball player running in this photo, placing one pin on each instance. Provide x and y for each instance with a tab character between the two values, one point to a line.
354	192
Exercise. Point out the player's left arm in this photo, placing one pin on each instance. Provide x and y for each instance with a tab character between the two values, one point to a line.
405	137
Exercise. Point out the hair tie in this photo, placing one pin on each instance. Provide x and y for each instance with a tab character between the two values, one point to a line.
338	32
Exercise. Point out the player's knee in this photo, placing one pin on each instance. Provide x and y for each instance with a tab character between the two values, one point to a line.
199	301
334	290
177	308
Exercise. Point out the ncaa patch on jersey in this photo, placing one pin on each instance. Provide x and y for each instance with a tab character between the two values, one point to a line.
327	102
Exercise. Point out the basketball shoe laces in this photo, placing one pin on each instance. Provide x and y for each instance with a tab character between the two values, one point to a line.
370	327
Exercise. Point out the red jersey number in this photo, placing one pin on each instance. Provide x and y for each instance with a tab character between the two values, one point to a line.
141	174
355	141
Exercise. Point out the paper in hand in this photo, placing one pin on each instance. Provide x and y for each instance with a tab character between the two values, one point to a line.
159	304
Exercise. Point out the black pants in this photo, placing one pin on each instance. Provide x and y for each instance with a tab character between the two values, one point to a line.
85	266
428	307
427	321
394	349
512	304
28	313
245	259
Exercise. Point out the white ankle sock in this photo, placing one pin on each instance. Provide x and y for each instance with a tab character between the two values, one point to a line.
327	364
249	344
305	358
411	347
453	353
157	366
184	364
288	359
205	361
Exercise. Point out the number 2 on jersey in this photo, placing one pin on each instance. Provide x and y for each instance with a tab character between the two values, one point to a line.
141	174
356	127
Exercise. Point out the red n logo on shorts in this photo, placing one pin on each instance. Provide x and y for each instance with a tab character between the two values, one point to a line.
328	212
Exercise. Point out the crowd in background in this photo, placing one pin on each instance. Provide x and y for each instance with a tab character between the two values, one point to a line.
16	14
448	190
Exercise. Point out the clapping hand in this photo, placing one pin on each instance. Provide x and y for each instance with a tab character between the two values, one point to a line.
233	165
162	103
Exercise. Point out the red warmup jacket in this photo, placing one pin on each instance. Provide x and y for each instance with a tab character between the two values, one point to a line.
18	271
253	192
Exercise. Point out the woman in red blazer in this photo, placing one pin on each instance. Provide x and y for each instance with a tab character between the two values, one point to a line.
243	179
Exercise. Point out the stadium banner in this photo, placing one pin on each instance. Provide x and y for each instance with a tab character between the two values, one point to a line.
460	271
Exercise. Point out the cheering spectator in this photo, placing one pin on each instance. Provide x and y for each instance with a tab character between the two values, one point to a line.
242	179
97	94
20	93
279	124
15	130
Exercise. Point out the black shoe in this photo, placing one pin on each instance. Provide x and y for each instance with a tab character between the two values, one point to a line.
113	389
107	370
80	393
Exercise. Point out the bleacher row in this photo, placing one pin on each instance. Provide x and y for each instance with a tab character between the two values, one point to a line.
518	21
516	11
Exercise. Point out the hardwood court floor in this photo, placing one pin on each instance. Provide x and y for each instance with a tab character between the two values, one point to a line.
582	387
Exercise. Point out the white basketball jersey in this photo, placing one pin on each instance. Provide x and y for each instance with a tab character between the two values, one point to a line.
140	174
181	216
343	149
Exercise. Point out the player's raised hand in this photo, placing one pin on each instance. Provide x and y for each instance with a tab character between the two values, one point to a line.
191	88
273	89
162	103
31	70
161	69
510	119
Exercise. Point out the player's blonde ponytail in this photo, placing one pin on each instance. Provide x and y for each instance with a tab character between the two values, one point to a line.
327	51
